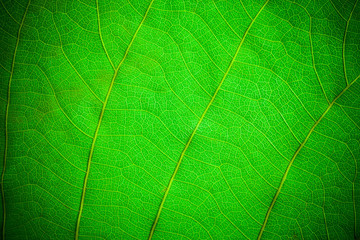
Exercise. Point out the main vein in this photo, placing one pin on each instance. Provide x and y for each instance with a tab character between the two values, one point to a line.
198	124
100	120
6	119
296	154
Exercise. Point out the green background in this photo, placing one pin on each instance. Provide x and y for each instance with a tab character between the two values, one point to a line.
186	119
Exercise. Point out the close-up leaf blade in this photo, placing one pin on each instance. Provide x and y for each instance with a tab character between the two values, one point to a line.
180	119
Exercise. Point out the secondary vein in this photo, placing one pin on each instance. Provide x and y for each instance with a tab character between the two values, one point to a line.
198	124
296	154
99	123
6	120
100	35
344	42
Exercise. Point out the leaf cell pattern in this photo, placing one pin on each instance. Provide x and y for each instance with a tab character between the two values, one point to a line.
185	119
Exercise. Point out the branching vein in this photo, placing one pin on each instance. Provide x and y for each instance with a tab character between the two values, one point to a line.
6	120
199	123
100	120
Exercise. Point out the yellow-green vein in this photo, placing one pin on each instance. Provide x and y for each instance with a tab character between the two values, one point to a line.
71	65
86	178
6	120
337	10
198	124
283	179
313	62
344	43
100	34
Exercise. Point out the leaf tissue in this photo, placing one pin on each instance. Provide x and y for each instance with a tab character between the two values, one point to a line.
186	119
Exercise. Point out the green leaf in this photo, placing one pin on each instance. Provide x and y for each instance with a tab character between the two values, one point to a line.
180	119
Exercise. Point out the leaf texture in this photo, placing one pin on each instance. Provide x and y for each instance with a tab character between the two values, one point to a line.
188	119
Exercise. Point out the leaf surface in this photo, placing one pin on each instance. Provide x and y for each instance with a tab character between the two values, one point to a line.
180	119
